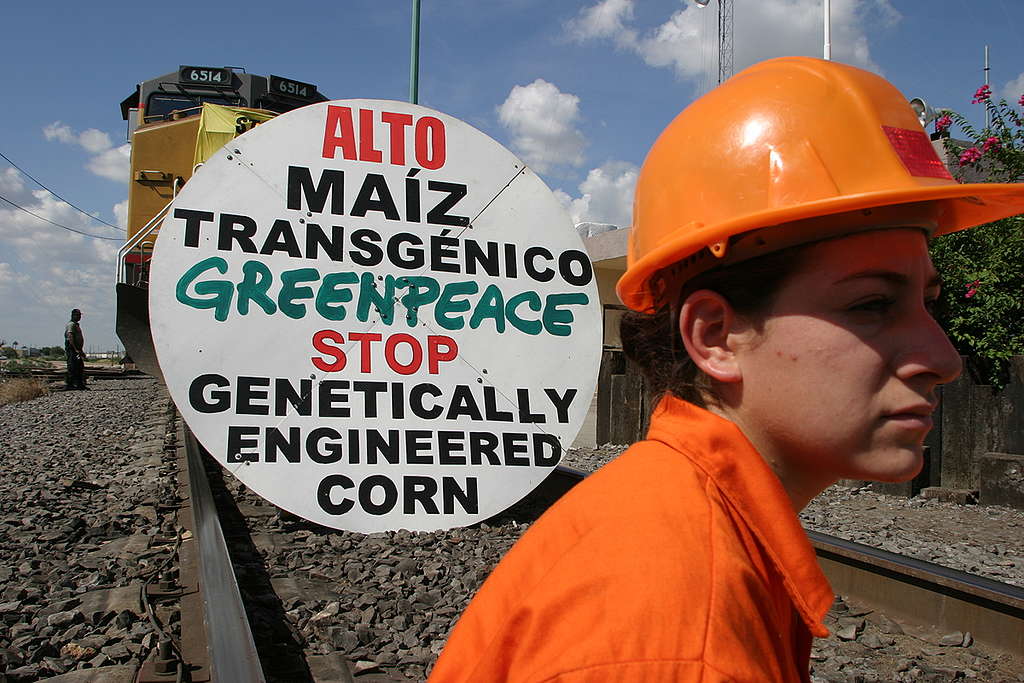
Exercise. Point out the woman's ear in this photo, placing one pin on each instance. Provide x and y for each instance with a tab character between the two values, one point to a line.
706	324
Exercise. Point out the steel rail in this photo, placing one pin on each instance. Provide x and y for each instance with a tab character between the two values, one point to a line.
232	652
923	592
915	591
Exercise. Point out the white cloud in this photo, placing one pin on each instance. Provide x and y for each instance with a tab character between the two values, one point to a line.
121	213
94	141
687	41
49	271
606	19
60	132
113	163
1013	90
606	195
542	120
107	161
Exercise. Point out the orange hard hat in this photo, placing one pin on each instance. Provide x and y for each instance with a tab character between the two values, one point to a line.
791	150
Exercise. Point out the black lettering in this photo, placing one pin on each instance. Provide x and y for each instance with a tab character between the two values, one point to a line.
366	488
378	445
370	392
369	252
277	442
463	405
417	440
414	259
416	395
375	184
323	494
515	448
219	400
412	197
238	228
528	264
439	214
419	490
329	398
565	261
491	406
475	256
562	403
468	498
483	444
281	238
332	450
249	390
443	247
525	416
285	394
546	457
300	185
239	439
317	239
449	444
193	223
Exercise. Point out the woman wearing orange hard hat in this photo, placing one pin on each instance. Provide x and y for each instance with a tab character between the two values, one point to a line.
781	286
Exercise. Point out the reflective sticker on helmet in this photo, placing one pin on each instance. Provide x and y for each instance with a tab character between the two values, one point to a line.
916	152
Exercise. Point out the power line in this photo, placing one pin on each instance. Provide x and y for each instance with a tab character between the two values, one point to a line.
82	211
63	227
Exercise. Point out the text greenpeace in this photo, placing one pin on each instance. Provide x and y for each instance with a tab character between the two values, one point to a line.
376	317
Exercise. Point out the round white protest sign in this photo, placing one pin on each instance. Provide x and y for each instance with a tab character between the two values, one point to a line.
376	317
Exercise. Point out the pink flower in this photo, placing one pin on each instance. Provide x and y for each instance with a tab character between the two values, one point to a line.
982	94
945	121
970	155
1021	101
972	289
992	143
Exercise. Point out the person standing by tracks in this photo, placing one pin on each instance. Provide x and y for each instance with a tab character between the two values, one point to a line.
780	283
74	351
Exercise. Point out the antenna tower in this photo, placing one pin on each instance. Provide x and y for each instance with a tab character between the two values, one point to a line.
725	48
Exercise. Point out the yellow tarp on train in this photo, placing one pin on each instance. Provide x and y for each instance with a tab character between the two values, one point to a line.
218	125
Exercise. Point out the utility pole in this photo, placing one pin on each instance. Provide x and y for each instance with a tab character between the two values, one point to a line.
414	56
826	10
988	116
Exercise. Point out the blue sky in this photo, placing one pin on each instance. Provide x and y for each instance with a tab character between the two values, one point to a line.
578	88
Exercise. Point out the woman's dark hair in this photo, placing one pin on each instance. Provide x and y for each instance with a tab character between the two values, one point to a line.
651	340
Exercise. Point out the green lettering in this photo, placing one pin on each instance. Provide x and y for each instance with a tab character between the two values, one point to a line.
290	291
370	295
447	304
334	294
491	305
218	293
422	291
532	300
558	321
256	280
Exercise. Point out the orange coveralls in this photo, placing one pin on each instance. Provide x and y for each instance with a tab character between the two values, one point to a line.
682	560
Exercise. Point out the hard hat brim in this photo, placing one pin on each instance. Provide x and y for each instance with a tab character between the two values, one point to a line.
959	207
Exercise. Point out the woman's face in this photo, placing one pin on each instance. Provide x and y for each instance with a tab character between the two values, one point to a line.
840	380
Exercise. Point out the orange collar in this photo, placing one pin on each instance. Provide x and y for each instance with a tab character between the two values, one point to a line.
718	447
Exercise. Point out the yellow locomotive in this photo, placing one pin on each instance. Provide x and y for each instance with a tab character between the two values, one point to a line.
177	121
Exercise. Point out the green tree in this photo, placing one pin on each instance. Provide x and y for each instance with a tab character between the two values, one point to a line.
982	302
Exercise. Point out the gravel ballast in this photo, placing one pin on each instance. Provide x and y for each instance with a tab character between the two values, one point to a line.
78	514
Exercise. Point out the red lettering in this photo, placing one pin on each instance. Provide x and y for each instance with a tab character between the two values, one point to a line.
339	133
435	356
430	153
397	123
320	340
364	339
389	353
366	149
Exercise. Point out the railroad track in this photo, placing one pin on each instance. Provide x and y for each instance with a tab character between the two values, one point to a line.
218	644
56	374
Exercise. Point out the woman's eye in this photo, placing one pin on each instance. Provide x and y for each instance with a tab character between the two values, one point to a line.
880	305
